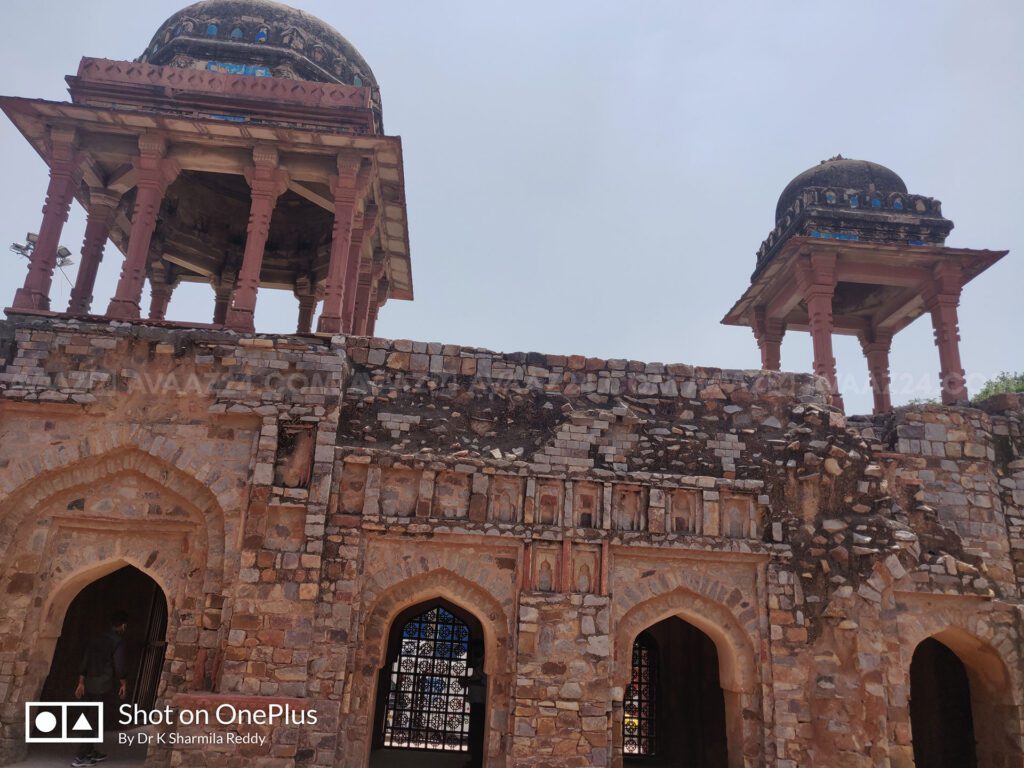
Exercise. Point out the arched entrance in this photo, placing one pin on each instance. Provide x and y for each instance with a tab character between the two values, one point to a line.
941	717
674	705
128	595
129	590
431	691
92	514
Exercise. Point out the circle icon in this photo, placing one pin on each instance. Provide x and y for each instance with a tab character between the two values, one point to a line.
46	722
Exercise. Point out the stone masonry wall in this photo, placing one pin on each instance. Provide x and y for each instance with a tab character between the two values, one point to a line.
312	489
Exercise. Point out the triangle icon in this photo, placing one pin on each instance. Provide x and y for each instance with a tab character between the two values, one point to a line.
82	724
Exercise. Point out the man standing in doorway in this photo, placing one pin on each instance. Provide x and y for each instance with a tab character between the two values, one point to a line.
102	663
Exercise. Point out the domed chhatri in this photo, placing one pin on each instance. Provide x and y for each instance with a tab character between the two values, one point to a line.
262	38
841	173
244	149
853	252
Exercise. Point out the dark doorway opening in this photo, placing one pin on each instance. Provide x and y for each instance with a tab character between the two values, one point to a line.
127	589
942	725
674	707
430	708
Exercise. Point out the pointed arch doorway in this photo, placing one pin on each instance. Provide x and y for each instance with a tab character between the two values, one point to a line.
941	719
674	711
431	692
127	589
965	702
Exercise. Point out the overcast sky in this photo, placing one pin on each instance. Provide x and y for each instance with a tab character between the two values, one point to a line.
595	177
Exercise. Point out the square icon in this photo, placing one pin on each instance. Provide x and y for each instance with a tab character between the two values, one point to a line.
63	722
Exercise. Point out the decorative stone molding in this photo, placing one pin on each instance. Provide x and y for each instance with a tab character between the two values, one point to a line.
299	92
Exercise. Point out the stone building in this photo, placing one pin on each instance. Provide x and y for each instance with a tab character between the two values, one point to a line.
641	563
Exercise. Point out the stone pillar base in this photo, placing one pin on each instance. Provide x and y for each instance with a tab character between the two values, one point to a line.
240	320
123	309
25	298
328	324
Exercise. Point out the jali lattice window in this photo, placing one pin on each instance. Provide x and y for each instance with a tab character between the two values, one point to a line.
427	706
639	706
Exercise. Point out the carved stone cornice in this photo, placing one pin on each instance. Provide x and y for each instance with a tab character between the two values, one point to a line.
198	81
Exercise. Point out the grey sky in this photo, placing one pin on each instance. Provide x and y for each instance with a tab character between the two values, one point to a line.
595	177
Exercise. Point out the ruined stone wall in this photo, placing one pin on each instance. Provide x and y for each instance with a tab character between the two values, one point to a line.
567	504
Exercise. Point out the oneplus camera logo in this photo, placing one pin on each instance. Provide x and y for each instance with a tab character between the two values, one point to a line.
63	722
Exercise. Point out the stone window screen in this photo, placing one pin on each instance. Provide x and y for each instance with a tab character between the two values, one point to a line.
427	705
639	735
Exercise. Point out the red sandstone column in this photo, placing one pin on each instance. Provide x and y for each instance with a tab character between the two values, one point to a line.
307	307
161	285
101	210
876	345
357	304
159	298
817	277
371	320
266	182
221	302
223	287
155	173
380	295
769	333
371	310
345	187
362	309
941	299
65	176
353	280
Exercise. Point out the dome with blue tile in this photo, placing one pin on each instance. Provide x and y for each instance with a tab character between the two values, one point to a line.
259	38
840	173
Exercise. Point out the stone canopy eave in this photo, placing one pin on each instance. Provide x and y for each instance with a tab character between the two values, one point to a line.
900	266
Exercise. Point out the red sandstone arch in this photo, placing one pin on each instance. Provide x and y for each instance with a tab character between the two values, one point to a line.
986	647
738	672
378	616
183	459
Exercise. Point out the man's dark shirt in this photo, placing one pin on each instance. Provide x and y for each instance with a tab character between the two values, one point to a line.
103	662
